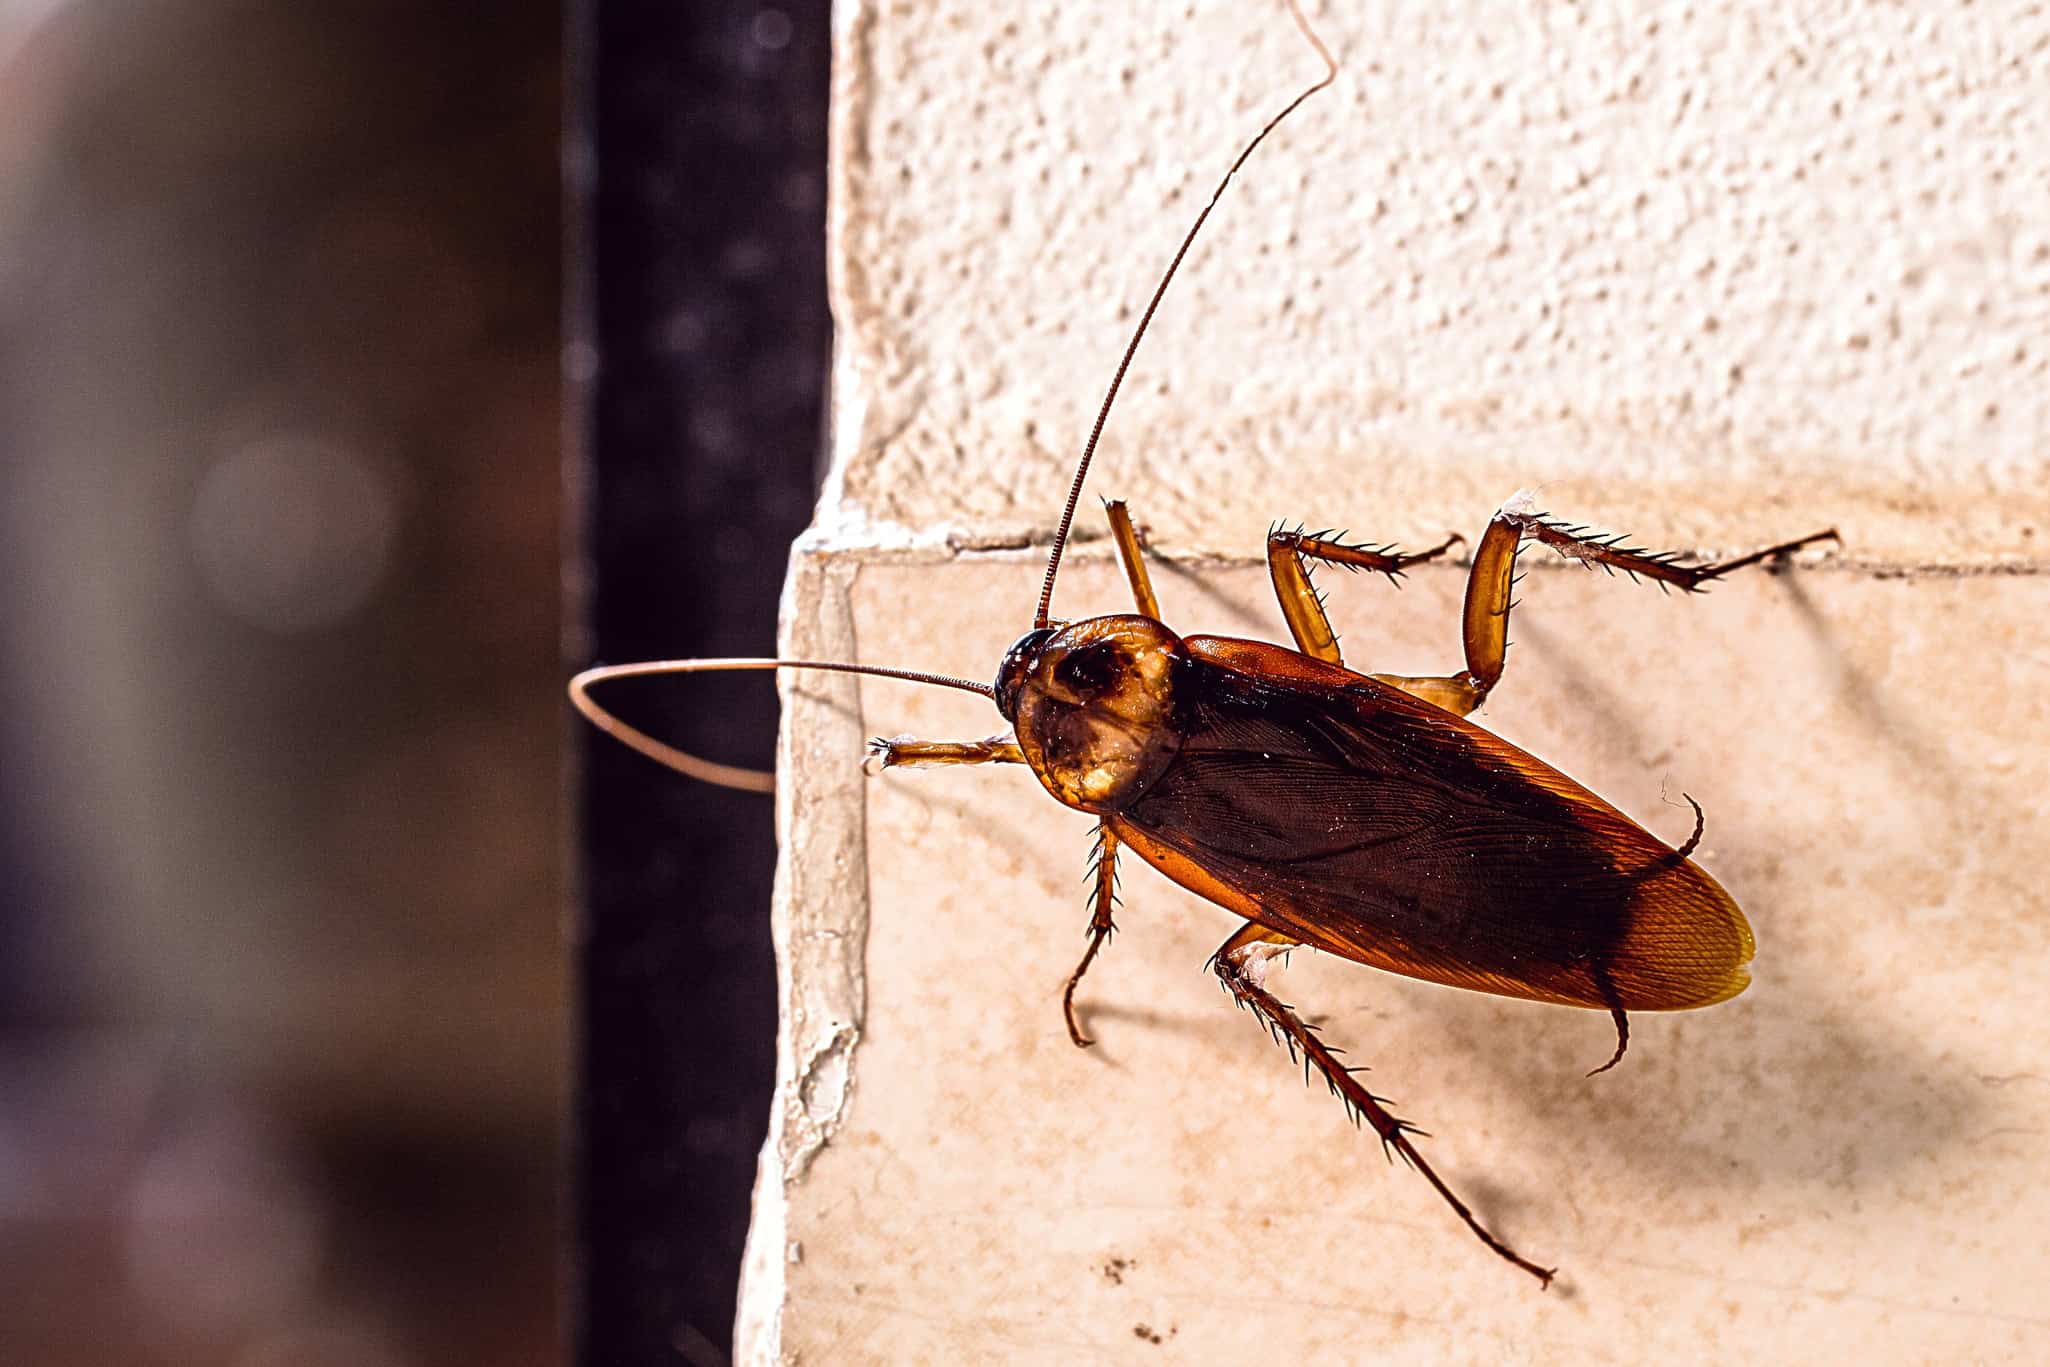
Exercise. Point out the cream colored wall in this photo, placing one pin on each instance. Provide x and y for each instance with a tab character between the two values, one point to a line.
1690	265
1712	274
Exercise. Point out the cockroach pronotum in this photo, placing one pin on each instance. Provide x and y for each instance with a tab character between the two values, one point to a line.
1357	813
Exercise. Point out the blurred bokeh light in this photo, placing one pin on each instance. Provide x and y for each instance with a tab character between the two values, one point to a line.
282	1023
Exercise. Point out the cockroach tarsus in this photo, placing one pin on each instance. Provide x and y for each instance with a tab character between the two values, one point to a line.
1356	813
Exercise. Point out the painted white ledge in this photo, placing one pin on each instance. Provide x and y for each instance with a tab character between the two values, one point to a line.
1712	274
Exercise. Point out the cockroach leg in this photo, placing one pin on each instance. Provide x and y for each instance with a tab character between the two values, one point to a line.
1104	868
1126	536
1288	557
1241	963
1607	549
1455	693
1484	626
898	751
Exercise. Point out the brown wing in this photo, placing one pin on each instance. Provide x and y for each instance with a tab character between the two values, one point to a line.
1349	815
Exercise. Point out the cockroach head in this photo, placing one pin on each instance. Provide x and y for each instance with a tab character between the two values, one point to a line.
1094	704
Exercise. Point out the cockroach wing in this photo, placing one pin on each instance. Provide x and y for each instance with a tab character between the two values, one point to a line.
1349	815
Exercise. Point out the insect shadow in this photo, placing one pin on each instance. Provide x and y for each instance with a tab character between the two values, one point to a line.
1823	1090
1819	1092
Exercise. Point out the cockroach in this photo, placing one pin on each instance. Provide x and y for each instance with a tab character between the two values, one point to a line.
1358	813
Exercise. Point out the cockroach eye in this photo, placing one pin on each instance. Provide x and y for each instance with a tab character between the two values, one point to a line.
1088	670
1017	667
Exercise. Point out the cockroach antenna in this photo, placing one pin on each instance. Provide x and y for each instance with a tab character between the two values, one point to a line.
1060	536
1363	814
763	781
709	771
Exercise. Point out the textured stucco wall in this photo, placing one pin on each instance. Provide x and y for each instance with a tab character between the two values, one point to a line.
1700	264
1714	274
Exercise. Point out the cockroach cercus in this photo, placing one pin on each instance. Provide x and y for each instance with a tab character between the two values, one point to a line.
1358	813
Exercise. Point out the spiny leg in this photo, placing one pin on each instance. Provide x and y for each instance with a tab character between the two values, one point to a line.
1607	549
1241	964
899	751
1288	557
1484	624
1126	536
1104	869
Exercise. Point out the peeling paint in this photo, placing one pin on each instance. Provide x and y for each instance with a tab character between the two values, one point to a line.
822	1089
819	928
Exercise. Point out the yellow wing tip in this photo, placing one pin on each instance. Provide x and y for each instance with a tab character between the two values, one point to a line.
1739	976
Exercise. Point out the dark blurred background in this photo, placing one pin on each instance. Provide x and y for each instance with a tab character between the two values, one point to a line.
703	318
291	813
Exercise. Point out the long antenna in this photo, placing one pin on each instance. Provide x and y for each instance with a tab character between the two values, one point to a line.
1060	538
709	771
